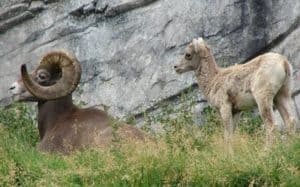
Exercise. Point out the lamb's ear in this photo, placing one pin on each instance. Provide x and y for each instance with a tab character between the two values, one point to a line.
197	43
200	39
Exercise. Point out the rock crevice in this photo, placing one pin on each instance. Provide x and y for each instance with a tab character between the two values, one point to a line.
109	9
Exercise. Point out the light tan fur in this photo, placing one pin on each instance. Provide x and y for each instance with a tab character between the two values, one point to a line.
263	82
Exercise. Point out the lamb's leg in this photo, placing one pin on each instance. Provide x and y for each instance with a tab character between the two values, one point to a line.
226	115
236	118
265	107
284	105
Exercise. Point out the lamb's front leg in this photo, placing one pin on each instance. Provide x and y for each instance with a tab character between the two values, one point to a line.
226	115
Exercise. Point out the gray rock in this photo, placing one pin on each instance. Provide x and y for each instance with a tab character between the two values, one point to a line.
7	24
297	105
37	6
13	11
9	3
127	58
125	7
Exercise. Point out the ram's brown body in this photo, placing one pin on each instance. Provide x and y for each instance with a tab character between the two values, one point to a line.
63	127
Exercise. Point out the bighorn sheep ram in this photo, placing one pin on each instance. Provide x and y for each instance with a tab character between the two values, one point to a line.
63	127
263	81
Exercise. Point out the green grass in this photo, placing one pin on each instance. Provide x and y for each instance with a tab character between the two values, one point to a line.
186	155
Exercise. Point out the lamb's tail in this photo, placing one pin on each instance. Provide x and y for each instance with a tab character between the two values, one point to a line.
287	85
288	68
289	74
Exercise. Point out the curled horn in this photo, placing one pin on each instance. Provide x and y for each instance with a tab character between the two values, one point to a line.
70	70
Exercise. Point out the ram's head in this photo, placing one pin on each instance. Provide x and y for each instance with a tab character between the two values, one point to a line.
57	75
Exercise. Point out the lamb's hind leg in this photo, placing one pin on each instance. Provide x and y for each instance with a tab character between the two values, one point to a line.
284	104
265	107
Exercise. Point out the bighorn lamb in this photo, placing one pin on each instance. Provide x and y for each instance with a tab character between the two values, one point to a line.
63	127
264	81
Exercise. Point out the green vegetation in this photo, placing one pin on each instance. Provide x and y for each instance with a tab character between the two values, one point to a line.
186	155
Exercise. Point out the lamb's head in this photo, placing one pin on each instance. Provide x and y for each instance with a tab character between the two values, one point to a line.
57	75
194	53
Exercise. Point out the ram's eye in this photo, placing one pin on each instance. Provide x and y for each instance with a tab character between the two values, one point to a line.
43	76
188	56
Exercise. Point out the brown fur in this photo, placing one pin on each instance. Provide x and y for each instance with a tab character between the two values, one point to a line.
63	127
259	82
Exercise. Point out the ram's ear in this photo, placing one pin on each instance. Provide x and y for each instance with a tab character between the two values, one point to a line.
197	44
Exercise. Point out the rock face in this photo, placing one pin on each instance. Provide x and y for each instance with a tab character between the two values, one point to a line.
127	48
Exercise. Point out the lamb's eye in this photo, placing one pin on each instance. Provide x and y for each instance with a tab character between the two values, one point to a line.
188	56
